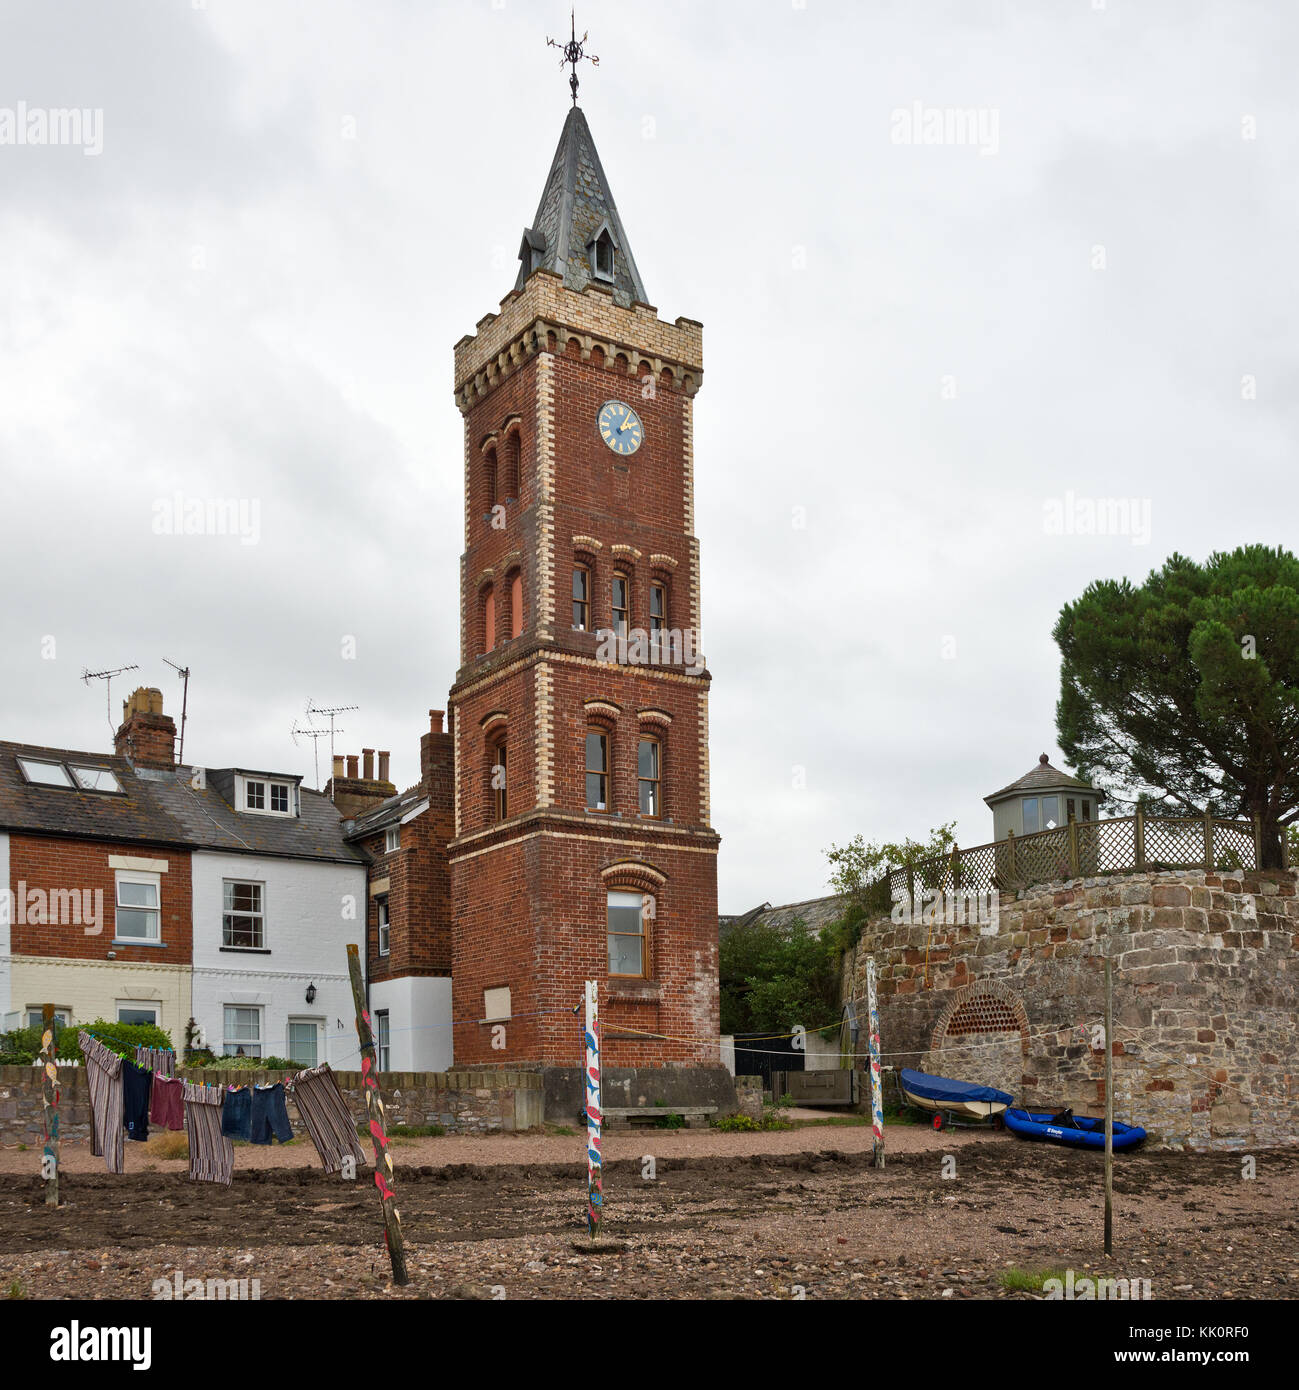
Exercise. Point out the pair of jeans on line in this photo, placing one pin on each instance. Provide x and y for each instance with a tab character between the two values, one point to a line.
256	1114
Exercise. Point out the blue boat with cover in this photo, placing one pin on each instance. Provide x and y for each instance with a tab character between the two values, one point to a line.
1064	1127
946	1096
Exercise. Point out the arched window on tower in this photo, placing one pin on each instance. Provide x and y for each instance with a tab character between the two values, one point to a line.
602	256
513	456
597	770
489	477
649	775
489	619
516	604
499	801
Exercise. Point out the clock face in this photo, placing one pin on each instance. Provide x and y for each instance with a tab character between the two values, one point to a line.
620	427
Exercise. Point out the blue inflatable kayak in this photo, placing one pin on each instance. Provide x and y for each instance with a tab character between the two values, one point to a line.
1068	1128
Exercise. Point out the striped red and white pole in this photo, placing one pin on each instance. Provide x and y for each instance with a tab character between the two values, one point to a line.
594	1115
877	1089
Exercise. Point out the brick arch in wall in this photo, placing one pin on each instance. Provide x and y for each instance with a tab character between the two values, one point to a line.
976	1010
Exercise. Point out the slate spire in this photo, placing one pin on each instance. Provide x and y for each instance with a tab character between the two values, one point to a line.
577	232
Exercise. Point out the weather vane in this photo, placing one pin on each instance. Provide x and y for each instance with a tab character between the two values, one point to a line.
573	53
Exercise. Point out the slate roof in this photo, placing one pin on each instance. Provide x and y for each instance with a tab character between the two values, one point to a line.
136	814
814	912
163	808
575	203
386	813
1043	777
209	822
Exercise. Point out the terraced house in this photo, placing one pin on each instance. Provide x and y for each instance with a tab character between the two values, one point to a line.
228	895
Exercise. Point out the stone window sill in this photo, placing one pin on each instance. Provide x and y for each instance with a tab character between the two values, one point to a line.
245	950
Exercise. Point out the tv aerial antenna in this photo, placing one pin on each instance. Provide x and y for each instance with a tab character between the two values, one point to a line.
107	678
313	709
183	672
313	734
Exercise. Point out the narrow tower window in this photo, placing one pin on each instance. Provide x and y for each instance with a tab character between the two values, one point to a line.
621	604
581	597
626	916
499	803
603	266
489	619
516	605
648	765
597	770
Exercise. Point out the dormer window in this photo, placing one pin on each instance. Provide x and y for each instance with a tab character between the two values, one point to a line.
601	249
268	798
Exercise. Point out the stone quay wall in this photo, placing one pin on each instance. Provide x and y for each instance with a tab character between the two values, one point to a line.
1206	1001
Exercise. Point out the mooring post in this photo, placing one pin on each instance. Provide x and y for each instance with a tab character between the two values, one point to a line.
1109	1100
594	1116
50	1107
383	1174
877	1090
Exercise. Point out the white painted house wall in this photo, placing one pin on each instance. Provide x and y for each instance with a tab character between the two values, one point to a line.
312	911
419	1021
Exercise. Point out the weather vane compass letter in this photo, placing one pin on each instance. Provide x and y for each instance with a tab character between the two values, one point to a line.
573	53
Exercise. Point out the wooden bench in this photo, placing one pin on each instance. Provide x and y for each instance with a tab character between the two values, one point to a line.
629	1116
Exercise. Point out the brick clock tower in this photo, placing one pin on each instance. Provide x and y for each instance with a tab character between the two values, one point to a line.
582	846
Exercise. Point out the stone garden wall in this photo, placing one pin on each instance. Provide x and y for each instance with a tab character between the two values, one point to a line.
462	1102
1206	1001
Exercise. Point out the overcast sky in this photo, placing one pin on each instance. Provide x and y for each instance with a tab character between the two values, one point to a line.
922	334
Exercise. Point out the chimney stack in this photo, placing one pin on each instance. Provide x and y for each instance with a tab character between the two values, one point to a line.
147	736
355	790
435	720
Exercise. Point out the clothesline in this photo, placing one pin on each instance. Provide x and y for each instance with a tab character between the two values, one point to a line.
126	1096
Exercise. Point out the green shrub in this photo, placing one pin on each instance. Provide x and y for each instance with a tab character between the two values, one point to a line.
16	1059
736	1124
122	1038
670	1121
244	1064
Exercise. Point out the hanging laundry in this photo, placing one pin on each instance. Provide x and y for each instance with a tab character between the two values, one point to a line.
104	1082
211	1154
137	1082
326	1117
159	1060
237	1113
269	1116
167	1108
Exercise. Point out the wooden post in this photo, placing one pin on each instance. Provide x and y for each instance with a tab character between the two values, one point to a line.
383	1174
911	891
1075	869
1139	839
956	867
50	1107
1258	840
1208	841
594	1116
877	1090
1109	1100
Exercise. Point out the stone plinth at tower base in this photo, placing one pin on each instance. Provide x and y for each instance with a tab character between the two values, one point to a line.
665	1088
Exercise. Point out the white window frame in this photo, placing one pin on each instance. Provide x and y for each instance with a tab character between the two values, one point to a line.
139	1006
36	1016
315	1023
122	876
260	914
383	919
267	787
392	839
229	1046
624	898
383	1039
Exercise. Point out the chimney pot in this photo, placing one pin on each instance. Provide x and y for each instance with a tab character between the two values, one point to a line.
367	763
435	720
383	765
352	761
338	764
